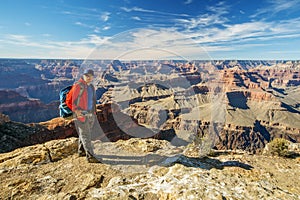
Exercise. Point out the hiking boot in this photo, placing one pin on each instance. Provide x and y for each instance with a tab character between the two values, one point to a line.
93	160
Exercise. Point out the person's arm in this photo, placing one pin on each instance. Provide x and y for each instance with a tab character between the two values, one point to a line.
94	99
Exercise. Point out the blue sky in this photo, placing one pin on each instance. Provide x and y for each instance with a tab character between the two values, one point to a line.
150	29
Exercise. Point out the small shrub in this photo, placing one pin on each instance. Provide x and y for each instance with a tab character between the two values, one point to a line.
279	147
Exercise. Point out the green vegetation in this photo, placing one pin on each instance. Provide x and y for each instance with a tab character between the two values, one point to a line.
279	147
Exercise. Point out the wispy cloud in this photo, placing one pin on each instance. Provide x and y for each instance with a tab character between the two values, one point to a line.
136	18
23	40
138	9
89	18
201	21
188	2
181	34
97	30
95	40
216	16
46	35
250	31
105	16
92	27
151	44
85	48
105	28
17	38
77	15
220	8
277	6
215	29
165	42
83	24
65	12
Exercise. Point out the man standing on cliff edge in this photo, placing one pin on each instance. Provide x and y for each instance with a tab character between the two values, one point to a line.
82	101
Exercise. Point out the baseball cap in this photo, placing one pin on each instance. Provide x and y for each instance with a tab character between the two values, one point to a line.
88	71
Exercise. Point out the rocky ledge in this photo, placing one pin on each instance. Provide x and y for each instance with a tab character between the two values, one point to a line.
53	171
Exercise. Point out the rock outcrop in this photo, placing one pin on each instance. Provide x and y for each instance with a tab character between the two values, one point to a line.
3	119
14	135
53	171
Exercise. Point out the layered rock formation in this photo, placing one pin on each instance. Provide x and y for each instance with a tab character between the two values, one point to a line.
233	104
20	108
29	88
234	107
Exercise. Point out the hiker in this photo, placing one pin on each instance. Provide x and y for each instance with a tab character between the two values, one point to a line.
82	101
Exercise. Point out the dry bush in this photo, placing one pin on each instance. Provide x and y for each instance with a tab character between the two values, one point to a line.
279	147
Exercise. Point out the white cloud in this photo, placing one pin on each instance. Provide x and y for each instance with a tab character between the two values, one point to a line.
220	8
150	44
188	2
126	9
216	17
245	32
105	16
79	23
86	14
138	9
97	30
84	25
89	41
105	28
66	12
23	40
17	38
214	29
136	18
189	37
52	49
201	21
46	35
278	6
155	43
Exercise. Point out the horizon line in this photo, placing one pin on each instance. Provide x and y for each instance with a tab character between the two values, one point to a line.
222	59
